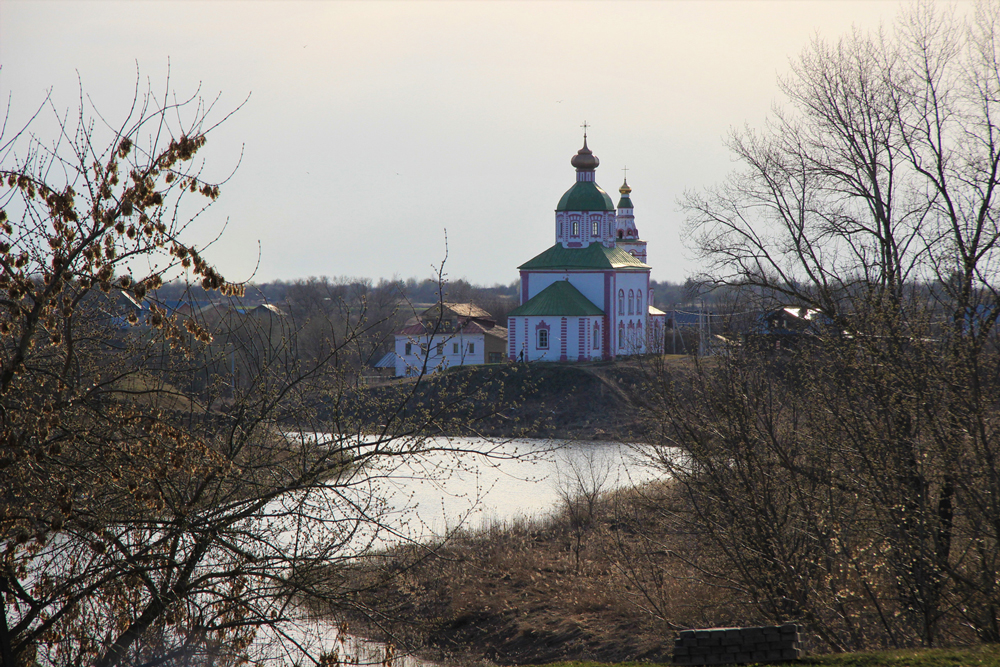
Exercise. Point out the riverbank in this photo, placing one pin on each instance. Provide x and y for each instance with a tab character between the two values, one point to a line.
581	585
584	401
570	586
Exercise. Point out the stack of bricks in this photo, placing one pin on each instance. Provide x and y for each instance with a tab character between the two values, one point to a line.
737	646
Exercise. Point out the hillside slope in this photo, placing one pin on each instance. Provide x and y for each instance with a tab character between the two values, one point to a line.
591	401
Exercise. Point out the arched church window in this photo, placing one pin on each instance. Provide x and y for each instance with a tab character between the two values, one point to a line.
621	335
621	301
597	336
621	234
638	302
596	229
631	302
576	228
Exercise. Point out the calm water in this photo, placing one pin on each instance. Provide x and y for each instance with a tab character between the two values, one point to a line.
521	481
461	486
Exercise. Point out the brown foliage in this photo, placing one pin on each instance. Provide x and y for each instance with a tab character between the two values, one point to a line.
847	482
167	478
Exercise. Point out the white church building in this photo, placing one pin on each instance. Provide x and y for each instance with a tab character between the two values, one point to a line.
588	296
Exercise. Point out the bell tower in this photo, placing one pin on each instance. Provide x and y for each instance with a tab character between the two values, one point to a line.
626	234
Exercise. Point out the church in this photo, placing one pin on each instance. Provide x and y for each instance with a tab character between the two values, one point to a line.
588	296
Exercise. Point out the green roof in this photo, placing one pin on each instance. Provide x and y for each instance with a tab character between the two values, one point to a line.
585	196
561	299
595	256
625	202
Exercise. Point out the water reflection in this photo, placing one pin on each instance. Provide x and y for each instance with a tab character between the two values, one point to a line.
524	484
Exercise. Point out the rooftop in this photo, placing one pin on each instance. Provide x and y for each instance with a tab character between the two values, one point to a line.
585	196
595	256
560	298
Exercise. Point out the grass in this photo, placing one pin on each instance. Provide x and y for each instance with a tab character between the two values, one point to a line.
984	656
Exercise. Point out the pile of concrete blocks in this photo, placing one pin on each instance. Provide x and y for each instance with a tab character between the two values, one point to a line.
738	646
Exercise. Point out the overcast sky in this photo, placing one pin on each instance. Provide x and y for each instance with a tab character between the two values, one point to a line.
373	127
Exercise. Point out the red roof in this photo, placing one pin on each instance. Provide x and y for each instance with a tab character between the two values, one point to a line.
468	327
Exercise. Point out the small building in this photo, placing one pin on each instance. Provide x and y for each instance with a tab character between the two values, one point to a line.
446	335
787	327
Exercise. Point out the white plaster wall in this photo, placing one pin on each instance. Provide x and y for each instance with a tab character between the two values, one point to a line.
590	352
572	338
435	361
634	281
606	227
656	332
533	353
464	357
530	345
591	285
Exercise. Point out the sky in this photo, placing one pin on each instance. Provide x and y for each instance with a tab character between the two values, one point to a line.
375	137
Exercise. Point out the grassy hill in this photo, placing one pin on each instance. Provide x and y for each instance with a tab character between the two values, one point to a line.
587	401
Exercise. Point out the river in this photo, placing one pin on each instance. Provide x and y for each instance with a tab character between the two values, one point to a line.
457	487
444	491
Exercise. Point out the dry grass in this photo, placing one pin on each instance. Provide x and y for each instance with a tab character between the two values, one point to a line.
979	656
515	593
145	389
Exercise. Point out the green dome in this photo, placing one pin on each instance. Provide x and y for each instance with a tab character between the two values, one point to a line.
585	196
625	202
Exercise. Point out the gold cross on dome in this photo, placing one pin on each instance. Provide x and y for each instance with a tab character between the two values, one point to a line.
584	126
625	169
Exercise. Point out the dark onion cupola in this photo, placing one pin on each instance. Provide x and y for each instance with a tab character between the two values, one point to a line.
585	160
585	213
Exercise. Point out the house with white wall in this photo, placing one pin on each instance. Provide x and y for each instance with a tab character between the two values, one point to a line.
446	335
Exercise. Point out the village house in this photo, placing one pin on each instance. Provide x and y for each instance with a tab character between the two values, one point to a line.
448	334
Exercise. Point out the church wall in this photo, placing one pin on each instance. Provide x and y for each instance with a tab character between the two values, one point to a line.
633	342
607	322
656	331
564	339
591	285
636	248
583	222
591	329
601	288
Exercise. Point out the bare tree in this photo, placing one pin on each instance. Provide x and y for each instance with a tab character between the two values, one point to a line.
172	482
848	479
580	481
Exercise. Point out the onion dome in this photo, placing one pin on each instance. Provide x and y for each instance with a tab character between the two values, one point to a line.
625	190
585	160
585	195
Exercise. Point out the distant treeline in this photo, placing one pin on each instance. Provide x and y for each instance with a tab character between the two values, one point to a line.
413	291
